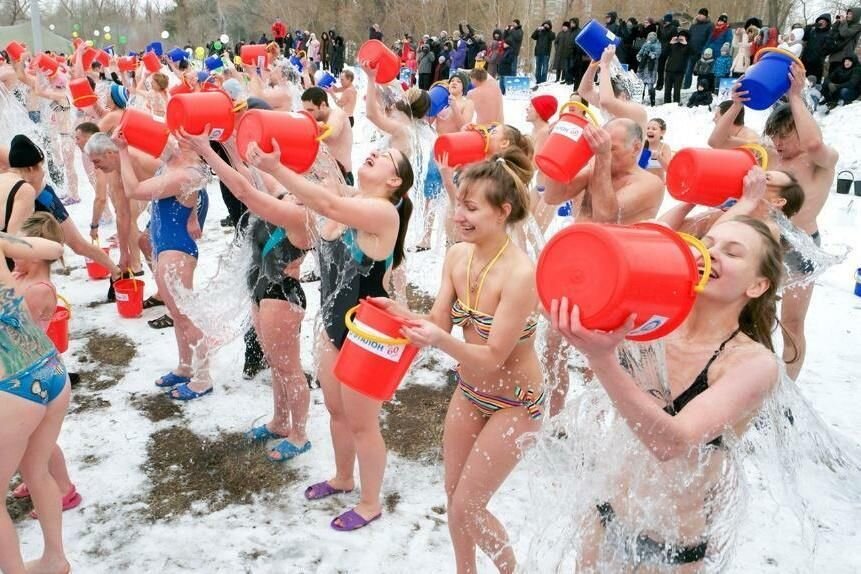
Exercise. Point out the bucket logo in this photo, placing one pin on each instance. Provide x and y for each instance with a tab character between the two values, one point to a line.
569	130
611	36
654	323
216	133
727	204
388	352
122	297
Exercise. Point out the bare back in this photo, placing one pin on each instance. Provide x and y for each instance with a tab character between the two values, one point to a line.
814	180
488	103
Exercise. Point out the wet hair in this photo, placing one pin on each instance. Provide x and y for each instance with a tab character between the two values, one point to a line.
518	140
478	74
416	105
633	131
42	224
505	177
401	199
660	122
100	143
349	74
160	80
316	96
793	193
725	105
780	122
87	128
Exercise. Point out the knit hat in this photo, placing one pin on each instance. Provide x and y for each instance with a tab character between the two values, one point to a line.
708	53
120	96
725	49
704	12
723	18
24	153
668	17
545	106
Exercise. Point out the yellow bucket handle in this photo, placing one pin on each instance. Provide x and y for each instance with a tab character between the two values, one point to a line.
66	302
353	328
763	153
485	131
327	131
586	110
707	260
439	83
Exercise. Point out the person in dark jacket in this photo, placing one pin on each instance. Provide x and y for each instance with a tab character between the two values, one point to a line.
493	53
700	33
338	54
845	35
702	97
505	67
817	40
669	29
562	53
426	61
843	84
374	33
633	33
677	61
543	37
579	59
514	36
612	23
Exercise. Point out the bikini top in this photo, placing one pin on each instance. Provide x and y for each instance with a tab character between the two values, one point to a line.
463	315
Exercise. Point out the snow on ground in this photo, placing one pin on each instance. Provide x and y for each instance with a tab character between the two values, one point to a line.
279	531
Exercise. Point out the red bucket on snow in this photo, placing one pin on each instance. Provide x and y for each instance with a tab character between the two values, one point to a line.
380	58
58	328
96	270
375	357
129	293
82	92
255	55
611	271
464	147
46	64
151	62
127	64
566	151
712	176
144	132
193	112
297	133
15	50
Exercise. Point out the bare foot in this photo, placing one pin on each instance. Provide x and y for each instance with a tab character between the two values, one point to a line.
48	566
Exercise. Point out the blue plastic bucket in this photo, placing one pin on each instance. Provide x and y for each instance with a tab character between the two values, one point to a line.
594	37
213	63
645	156
155	47
177	55
296	61
858	282
439	99
767	80
202	76
327	80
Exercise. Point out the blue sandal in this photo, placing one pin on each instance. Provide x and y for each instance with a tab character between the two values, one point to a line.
183	393
287	450
261	434
171	380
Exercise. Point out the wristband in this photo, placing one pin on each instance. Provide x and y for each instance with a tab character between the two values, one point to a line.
96	226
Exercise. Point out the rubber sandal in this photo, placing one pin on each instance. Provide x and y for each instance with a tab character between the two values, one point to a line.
323	490
70	200
171	380
261	434
152	301
183	393
163	322
21	491
71	500
287	450
138	273
418	249
351	520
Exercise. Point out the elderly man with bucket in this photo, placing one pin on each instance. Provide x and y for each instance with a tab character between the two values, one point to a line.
613	95
795	145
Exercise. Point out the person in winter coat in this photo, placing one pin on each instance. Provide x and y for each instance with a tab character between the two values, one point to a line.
543	37
721	34
443	69
767	38
723	65
817	42
505	67
494	52
845	35
677	62
648	58
669	29
426	61
844	83
313	49
514	36
579	59
338	54
612	23
700	33
792	42
374	33
325	49
562	53
742	43
705	69
633	33
702	97
458	57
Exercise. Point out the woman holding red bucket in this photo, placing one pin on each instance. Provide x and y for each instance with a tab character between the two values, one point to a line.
361	242
34	397
177	191
280	238
488	289
721	368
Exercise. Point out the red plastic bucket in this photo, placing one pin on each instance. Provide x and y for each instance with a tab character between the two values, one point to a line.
127	64
96	270
380	58
193	112
129	294
297	134
93	55
179	89
375	357
47	64
711	176
58	328
144	132
151	62
15	50
464	147
82	92
768	78
566	151
255	55
611	271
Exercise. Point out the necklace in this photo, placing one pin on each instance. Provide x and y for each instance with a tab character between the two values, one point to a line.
476	282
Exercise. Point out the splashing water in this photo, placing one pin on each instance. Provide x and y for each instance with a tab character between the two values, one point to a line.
804	261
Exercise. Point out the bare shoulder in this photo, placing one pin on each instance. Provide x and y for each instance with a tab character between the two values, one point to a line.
752	362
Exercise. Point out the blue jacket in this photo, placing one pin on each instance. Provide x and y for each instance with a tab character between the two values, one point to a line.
458	57
716	43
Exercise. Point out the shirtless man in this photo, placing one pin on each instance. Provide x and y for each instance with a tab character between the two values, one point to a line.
340	139
796	147
487	98
739	133
97	178
348	94
273	88
539	112
610	96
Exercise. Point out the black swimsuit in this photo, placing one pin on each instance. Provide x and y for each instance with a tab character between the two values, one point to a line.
10	204
271	252
647	548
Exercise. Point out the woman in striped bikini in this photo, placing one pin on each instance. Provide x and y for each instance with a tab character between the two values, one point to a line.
488	289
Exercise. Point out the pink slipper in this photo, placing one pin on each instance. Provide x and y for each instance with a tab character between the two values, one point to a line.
71	500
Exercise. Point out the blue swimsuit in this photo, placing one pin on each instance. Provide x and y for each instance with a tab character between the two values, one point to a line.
39	374
169	224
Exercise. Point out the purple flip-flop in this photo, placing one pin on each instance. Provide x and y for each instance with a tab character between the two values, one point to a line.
322	490
351	520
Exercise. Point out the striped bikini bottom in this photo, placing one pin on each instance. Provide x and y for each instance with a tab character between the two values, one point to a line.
489	404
